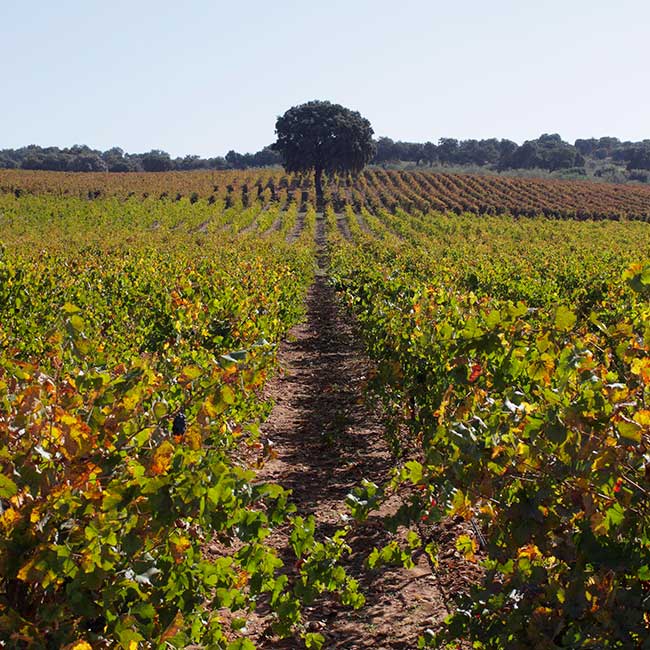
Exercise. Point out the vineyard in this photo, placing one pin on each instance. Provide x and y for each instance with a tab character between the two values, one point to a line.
143	317
373	190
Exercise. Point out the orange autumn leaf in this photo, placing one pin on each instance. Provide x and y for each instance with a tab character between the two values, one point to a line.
529	551
162	458
174	628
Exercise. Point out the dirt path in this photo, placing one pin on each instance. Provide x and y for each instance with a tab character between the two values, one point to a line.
362	224
343	226
326	440
274	227
249	228
297	229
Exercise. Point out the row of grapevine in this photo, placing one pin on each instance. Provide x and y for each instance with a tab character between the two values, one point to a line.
134	346
512	363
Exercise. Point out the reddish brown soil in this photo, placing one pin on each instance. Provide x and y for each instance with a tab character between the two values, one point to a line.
326	439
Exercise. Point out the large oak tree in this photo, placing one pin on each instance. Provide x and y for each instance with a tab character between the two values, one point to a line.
323	137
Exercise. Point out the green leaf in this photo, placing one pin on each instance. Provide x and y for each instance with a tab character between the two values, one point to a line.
227	395
629	430
314	640
515	311
237	623
466	546
413	471
144	611
192	372
413	540
493	318
472	329
241	644
128	639
77	322
7	487
565	319
556	432
160	410
302	535
615	515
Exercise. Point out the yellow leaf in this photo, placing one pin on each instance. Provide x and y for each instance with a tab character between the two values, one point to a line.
467	546
193	438
629	430
523	450
192	372
80	645
461	506
131	400
76	426
178	548
227	395
641	367
604	459
210	410
9	518
488	509
499	449
599	524
30	572
642	417
25	572
75	434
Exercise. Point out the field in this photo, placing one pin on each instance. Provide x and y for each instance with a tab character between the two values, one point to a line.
230	421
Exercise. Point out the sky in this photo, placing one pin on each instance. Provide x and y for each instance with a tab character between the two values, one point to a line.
203	77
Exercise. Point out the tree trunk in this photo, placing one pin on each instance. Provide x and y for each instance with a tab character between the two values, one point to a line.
318	179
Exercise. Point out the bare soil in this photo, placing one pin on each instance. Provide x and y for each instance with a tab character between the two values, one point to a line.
274	227
362	224
297	229
250	227
343	226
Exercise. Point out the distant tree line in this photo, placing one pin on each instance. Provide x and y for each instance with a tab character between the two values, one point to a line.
548	152
81	158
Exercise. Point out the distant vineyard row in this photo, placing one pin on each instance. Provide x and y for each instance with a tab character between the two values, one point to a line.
373	190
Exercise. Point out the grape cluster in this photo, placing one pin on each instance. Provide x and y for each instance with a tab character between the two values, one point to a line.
179	426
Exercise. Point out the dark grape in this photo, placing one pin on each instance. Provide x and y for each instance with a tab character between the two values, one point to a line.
179	425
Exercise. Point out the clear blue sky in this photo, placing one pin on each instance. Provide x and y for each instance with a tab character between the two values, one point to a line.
203	77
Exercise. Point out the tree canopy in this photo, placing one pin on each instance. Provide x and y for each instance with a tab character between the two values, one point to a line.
323	137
